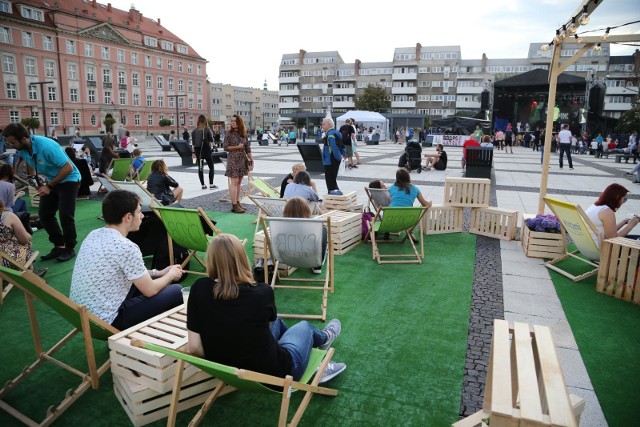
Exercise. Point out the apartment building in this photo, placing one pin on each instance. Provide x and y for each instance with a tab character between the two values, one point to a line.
258	107
91	61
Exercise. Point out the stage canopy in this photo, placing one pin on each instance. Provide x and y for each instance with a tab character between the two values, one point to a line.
461	125
365	118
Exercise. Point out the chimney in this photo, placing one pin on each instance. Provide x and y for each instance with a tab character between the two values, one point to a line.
357	67
159	22
418	49
94	4
301	55
109	7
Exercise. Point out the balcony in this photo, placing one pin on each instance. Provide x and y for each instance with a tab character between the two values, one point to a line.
122	86
288	105
404	76
470	89
107	85
404	90
467	104
283	80
92	83
344	91
343	104
290	92
630	91
403	104
617	106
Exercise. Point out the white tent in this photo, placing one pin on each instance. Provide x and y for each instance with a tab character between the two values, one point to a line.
367	119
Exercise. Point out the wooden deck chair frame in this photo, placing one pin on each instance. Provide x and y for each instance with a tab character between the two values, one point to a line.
4	290
267	206
264	188
581	229
389	220
146	198
82	322
143	172
373	199
241	379
120	169
327	283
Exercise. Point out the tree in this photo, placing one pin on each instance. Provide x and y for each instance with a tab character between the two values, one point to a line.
164	123
629	121
109	121
31	123
374	98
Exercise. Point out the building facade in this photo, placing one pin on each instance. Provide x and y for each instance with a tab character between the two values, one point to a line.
258	107
92	62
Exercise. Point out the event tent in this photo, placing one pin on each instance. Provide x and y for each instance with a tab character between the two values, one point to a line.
365	118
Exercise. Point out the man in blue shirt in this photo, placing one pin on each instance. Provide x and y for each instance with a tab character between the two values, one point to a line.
45	158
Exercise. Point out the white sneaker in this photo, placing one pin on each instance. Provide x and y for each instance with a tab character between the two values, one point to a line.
332	330
316	270
333	370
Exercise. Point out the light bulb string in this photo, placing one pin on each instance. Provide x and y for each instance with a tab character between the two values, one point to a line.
608	29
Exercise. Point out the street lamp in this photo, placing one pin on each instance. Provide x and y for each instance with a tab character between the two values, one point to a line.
177	113
44	111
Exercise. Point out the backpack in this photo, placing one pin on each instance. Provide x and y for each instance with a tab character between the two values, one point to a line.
124	142
339	142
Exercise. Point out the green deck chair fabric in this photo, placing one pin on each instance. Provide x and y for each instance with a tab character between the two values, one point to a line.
397	220
120	169
82	322
264	188
184	226
144	171
584	234
249	381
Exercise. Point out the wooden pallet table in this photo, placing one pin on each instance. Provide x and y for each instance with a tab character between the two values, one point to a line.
346	202
538	244
467	192
346	230
619	267
441	219
494	222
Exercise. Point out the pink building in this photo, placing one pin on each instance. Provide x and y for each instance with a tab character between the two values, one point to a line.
98	62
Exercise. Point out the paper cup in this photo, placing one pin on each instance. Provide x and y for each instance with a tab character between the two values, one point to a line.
185	295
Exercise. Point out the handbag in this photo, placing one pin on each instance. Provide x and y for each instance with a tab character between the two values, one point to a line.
342	168
247	162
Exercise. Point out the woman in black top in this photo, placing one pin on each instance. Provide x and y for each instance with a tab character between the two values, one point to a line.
233	320
202	137
160	183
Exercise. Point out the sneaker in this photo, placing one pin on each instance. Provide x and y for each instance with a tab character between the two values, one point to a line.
204	187
333	370
335	192
332	330
317	270
55	253
354	166
213	186
570	169
66	255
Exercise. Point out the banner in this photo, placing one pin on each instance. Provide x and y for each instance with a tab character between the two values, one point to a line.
450	140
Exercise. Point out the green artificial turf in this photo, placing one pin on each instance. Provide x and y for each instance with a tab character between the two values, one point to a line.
607	331
404	334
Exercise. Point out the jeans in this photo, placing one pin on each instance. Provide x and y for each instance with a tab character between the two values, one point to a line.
137	308
61	199
331	175
298	340
200	162
565	148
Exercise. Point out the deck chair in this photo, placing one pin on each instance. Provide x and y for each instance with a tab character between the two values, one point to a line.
4	290
297	242
378	197
146	198
267	206
143	172
397	220
82	322
186	228
120	169
584	234
241	379
264	188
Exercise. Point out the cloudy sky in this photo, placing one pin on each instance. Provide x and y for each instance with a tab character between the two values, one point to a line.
244	41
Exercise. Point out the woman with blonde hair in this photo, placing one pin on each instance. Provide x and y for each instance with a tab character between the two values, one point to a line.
160	184
202	138
297	207
233	320
239	160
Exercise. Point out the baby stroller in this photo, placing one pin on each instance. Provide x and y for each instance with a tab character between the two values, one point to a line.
411	159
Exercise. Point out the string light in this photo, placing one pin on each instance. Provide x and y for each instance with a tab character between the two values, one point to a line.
584	18
545	47
605	36
597	48
578	39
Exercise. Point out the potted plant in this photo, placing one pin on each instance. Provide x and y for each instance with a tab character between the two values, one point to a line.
542	236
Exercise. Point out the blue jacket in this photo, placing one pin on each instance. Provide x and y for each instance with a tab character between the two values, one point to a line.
331	149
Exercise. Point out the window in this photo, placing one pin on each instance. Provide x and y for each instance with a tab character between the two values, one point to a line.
123	98
199	104
159	62
14	116
199	70
51	90
12	91
171	104
94	120
54	118
180	85
160	83
88	50
5	35
148	81
32	92
120	55
92	96
135	79
122	78
49	69
134	58
8	64
190	103
181	102
73	95
47	43
150	119
31	13
75	119
107	97
147	60
5	6
167	45
71	47
170	83
136	99
189	68
27	39
136	119
189	86
106	76
91	74
170	64
179	66
199	87
30	66
72	71
149	100
105	53
160	101
182	49
150	41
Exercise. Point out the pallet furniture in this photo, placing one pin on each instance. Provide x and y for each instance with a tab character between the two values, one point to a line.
619	267
537	244
525	384
346	230
494	222
441	219
346	202
479	161
467	192
143	379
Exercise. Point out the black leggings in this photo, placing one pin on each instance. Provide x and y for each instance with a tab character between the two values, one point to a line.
207	158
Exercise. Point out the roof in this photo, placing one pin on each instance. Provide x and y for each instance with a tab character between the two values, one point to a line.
538	77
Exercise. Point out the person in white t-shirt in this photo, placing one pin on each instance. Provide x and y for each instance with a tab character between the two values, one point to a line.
564	142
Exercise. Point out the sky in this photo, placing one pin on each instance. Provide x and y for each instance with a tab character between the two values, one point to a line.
244	42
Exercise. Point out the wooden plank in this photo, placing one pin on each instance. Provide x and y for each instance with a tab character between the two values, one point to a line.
501	376
530	406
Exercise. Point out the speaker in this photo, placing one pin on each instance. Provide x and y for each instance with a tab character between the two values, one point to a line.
484	100
596	99
312	156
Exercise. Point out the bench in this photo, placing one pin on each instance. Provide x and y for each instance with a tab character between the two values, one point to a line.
525	384
478	162
626	157
184	150
164	144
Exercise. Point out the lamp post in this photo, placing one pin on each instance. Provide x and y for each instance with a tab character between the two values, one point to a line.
177	113
44	111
